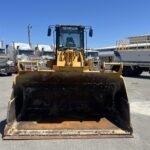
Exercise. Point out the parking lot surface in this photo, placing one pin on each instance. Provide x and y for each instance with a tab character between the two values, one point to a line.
138	90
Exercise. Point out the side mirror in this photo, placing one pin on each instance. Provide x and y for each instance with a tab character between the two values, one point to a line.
17	47
36	48
90	32
7	46
42	51
49	32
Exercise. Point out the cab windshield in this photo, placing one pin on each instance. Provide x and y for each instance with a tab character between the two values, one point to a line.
26	52
70	38
93	54
46	53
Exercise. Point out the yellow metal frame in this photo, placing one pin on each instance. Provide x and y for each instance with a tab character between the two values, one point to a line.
71	69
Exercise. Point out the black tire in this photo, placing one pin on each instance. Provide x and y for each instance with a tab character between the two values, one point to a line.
9	74
131	71
128	71
137	71
115	68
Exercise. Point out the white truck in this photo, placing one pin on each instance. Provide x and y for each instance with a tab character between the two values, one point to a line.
6	64
134	53
106	54
22	52
100	55
27	52
46	51
92	54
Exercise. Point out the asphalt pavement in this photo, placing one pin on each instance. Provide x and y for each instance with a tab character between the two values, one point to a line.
138	90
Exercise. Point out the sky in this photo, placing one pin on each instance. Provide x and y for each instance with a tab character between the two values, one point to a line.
111	20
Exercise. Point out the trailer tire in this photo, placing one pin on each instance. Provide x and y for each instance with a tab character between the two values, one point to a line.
9	74
131	71
115	68
138	71
128	71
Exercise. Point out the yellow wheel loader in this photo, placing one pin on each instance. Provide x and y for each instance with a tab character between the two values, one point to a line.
70	99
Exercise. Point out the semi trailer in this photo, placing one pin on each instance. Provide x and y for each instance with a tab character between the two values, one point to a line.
134	53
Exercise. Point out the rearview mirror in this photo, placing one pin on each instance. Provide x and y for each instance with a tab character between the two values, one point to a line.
90	32
49	32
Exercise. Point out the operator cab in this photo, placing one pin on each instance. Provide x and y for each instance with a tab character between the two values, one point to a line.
70	37
70	44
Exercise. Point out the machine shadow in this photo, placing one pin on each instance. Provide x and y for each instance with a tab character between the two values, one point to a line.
2	126
140	77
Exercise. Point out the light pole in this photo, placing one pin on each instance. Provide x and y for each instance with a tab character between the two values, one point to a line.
29	34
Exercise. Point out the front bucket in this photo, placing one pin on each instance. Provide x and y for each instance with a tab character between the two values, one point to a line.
47	105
